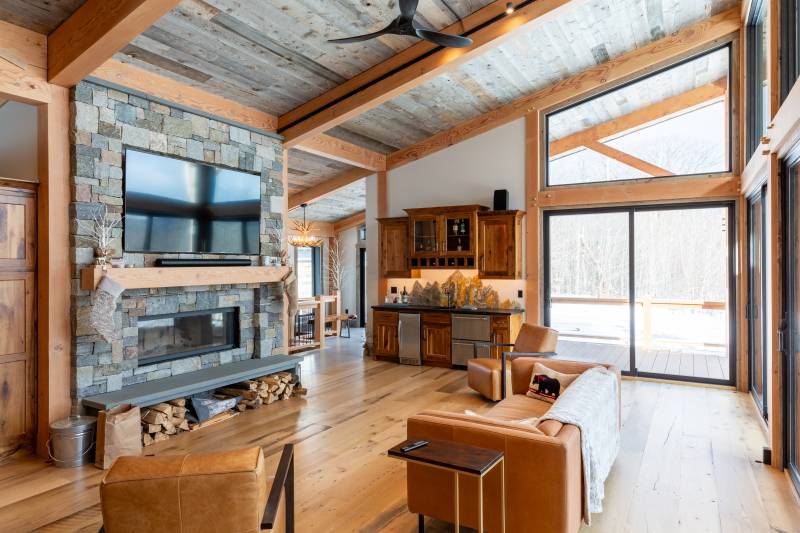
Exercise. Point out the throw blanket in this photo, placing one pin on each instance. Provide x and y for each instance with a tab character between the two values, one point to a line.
591	404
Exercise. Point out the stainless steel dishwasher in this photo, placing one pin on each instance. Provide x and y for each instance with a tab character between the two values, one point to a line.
408	336
472	337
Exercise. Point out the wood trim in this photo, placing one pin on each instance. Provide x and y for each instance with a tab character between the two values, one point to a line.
349	222
641	117
399	60
754	171
23	65
533	250
326	188
138	79
702	35
784	131
160	277
640	191
95	32
53	289
284	247
332	148
406	78
382	211
775	400
628	159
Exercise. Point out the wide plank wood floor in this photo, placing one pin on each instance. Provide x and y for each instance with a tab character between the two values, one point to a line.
688	460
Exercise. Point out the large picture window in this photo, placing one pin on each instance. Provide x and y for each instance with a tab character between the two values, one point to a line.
757	47
671	123
790	45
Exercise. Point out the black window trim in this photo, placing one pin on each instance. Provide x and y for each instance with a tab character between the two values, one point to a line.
752	65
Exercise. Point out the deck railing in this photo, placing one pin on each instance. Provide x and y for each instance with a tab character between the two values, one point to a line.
647	305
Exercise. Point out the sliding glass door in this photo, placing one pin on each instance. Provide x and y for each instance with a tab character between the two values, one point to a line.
589	285
648	289
792	305
756	282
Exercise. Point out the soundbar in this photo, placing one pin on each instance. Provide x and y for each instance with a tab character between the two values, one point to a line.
202	262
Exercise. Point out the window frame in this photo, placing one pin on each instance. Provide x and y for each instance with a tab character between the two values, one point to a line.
790	46
729	45
316	268
759	13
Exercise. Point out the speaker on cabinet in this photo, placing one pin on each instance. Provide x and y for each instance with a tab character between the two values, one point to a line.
501	200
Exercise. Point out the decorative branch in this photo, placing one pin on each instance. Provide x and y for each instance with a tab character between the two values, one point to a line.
100	229
336	266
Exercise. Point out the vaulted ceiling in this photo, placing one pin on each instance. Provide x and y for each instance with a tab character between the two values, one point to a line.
274	55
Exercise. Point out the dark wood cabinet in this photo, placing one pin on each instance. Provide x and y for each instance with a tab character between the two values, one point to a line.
443	237
385	344
394	247
436	339
500	244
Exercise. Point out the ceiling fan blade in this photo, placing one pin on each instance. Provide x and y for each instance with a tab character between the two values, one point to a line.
359	38
444	39
408	8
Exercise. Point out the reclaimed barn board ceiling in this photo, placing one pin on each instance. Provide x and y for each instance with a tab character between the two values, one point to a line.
41	16
344	202
582	34
307	170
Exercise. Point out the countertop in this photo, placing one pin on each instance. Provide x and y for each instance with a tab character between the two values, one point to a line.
456	310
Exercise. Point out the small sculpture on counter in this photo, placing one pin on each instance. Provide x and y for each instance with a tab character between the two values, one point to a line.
458	291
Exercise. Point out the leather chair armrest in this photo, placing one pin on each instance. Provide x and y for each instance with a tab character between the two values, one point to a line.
512	355
284	481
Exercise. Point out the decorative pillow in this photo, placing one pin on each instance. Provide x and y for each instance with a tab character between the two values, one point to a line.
547	384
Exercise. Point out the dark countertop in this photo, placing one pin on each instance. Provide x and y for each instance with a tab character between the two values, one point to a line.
456	310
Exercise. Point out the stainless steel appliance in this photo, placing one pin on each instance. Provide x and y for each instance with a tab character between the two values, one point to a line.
408	335
472	337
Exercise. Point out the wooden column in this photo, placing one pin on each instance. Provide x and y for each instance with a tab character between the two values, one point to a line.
383	211
284	245
53	287
533	286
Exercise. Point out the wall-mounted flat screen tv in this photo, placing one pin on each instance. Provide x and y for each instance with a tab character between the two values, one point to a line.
178	206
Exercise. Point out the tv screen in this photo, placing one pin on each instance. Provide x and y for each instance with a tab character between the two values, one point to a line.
177	206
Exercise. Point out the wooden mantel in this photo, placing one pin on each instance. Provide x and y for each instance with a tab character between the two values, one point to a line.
159	277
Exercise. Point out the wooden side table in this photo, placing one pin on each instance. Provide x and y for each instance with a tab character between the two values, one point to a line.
460	459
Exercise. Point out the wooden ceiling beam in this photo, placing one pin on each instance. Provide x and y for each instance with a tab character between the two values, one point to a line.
405	78
23	64
326	188
138	79
338	150
349	222
704	34
641	117
628	159
95	32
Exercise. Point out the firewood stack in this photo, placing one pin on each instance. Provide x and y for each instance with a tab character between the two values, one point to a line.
161	421
262	391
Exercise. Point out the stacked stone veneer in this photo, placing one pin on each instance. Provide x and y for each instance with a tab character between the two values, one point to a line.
104	123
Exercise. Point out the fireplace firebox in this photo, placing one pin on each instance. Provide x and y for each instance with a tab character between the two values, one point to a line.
179	335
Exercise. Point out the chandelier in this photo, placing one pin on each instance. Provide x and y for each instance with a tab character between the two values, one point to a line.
303	237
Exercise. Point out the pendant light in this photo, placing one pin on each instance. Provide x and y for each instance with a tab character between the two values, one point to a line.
303	237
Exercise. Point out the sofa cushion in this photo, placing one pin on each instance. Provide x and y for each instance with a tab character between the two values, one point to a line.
518	407
548	384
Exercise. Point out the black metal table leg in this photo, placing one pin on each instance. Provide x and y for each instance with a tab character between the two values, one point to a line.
421	526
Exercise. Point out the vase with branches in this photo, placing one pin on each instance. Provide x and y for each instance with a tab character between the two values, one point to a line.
100	231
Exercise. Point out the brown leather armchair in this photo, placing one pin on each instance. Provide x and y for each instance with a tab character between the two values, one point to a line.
202	492
487	375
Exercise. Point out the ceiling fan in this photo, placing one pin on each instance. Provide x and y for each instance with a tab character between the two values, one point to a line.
405	25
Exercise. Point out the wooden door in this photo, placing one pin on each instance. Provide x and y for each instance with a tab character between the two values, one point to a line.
394	247
385	343
17	351
497	246
436	339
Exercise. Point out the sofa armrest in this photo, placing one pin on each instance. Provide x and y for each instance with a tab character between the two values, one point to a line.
542	475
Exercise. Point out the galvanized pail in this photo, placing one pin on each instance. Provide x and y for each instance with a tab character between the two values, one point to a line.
72	441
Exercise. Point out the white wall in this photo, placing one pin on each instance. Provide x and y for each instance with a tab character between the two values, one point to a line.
467	173
348	242
18	141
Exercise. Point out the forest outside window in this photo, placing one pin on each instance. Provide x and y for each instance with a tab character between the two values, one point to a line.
675	122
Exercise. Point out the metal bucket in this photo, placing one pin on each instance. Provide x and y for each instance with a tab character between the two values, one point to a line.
72	442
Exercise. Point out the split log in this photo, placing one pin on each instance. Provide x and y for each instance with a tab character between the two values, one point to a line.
158	437
154	417
150	428
178	402
147	439
179	412
247	394
163	408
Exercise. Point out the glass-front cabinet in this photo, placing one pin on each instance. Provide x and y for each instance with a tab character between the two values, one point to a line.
444	237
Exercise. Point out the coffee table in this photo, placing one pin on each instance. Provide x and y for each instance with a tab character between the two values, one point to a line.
460	459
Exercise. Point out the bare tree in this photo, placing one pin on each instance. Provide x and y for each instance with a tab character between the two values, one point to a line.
336	265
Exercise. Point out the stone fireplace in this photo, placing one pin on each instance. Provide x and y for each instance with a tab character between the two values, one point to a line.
162	332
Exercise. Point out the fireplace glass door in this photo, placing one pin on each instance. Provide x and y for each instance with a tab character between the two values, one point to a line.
179	335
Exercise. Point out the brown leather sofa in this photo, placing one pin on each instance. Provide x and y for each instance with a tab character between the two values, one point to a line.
199	492
542	462
486	375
